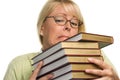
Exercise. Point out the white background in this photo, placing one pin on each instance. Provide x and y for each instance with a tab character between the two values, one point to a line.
18	32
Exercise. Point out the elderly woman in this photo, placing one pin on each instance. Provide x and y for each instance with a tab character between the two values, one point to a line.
58	20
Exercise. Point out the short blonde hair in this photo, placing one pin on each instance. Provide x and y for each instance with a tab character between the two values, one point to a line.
68	5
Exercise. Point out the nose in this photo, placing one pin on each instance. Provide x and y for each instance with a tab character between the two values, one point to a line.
67	25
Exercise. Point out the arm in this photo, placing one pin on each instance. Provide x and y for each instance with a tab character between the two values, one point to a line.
10	73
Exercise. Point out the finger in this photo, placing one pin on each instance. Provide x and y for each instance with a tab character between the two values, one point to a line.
36	71
100	63
47	77
103	78
95	72
105	72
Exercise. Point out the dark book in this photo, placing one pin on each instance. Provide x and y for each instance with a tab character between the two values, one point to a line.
68	44
69	52
103	40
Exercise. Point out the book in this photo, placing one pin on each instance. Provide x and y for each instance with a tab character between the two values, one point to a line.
57	57
69	52
79	67
76	75
103	40
57	64
87	38
65	44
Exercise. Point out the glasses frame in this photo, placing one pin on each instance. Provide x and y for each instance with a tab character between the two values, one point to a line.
79	23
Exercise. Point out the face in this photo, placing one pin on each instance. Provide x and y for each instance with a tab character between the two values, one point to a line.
52	32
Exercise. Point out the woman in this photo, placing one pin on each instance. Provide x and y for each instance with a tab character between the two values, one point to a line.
58	20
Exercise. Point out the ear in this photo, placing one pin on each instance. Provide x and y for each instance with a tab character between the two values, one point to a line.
41	30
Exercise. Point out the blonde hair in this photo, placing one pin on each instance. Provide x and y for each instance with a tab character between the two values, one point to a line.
68	5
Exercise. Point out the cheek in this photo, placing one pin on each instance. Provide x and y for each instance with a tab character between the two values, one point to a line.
74	32
51	28
50	34
53	33
51	37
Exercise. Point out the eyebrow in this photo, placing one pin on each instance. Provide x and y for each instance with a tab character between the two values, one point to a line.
65	15
61	14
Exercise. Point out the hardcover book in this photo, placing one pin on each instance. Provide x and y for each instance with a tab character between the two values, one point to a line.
103	40
76	75
68	59
84	38
69	52
74	67
61	45
62	62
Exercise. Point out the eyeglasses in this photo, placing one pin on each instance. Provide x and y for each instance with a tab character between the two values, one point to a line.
61	20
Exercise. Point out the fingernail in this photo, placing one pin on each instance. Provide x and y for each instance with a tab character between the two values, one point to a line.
90	59
87	70
51	75
41	62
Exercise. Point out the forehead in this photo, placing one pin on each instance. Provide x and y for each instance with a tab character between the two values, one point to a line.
60	9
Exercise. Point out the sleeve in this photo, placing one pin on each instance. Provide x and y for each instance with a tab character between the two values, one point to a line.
107	60
15	69
20	68
10	73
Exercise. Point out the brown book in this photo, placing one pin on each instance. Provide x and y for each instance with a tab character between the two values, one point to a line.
52	66
103	40
69	52
68	44
82	59
76	75
80	67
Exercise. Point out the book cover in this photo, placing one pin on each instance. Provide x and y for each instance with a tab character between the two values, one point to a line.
103	40
58	64
69	52
80	67
55	57
68	44
76	75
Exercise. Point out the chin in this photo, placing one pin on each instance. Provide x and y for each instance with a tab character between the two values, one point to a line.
56	42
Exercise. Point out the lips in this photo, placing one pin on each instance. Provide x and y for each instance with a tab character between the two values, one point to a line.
63	37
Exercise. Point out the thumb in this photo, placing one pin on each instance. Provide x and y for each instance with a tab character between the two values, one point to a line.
47	77
36	71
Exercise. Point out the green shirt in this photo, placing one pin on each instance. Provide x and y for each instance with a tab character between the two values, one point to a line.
21	69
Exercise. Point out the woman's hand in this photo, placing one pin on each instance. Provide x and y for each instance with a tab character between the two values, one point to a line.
107	72
37	70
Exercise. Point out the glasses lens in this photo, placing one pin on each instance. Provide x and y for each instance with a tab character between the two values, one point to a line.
60	20
74	23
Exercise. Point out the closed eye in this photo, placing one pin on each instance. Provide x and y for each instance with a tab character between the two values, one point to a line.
59	20
74	24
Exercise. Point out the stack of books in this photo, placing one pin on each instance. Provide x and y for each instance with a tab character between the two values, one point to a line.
68	60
